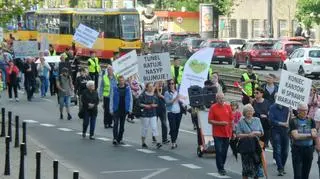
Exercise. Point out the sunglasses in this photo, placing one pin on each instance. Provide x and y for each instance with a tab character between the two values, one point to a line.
256	92
171	83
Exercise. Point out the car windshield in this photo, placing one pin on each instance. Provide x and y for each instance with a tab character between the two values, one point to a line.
219	44
289	48
130	27
237	41
196	43
262	46
314	53
178	38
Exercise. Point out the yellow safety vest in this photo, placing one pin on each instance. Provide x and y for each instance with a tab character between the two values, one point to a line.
248	87
94	65
210	73
179	78
54	53
106	87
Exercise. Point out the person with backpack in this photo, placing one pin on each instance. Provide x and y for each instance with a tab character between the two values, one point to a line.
303	133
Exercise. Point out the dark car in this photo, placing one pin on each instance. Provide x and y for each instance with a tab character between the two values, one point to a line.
258	54
285	48
168	42
222	50
188	47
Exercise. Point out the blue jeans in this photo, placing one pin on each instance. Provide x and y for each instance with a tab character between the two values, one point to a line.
89	117
44	85
221	146
280	142
302	157
174	124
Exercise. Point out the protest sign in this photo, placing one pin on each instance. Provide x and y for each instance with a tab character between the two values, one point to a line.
195	71
293	90
85	36
25	48
50	59
1	34
126	65
154	67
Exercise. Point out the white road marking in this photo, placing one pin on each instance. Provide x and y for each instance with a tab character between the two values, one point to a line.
49	100
47	125
79	133
218	175
126	145
30	121
186	131
128	171
155	173
191	166
168	158
146	151
65	129
103	138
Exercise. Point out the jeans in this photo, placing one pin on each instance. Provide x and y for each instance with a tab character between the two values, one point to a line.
174	124
107	117
280	142
118	130
44	85
29	86
302	157
221	146
53	85
164	126
89	117
13	87
147	122
95	78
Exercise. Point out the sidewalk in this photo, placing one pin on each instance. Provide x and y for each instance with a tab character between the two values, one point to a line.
47	159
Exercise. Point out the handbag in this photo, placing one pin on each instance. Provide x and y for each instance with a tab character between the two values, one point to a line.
247	145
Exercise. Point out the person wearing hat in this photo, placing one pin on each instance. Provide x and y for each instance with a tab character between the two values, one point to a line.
65	87
249	81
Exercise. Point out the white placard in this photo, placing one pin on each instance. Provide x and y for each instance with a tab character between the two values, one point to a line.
293	90
1	34
206	128
154	67
195	71
25	48
126	65
85	36
50	59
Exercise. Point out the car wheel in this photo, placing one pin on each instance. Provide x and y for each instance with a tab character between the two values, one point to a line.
262	67
284	67
301	71
235	64
220	62
276	68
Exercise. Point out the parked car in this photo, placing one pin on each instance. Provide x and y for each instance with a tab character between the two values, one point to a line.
222	50
258	54
304	61
193	34
285	48
167	42
188	47
297	39
235	43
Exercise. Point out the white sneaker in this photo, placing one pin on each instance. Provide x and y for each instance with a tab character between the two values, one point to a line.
274	162
17	99
10	99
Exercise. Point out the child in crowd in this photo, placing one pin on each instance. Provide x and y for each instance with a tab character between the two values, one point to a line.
236	114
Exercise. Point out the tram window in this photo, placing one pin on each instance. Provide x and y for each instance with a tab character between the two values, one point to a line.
112	26
65	24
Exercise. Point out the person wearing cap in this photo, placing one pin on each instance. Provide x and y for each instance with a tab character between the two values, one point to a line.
94	68
177	71
65	87
249	80
270	88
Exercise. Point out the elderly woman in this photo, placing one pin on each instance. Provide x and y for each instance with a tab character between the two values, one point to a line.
314	102
90	101
249	129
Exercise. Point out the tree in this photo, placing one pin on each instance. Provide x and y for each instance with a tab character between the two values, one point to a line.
308	12
73	3
10	9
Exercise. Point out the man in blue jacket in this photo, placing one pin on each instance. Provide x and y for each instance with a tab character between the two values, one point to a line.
120	105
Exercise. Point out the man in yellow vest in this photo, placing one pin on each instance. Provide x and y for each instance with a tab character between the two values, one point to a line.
94	68
176	71
249	81
107	83
52	51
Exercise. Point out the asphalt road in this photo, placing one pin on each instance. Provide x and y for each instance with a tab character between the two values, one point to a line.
99	159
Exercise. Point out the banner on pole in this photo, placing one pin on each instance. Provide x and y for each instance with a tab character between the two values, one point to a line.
154	67
126	65
25	48
293	90
85	36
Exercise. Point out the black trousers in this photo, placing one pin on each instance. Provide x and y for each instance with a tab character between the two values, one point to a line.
302	157
118	126
164	127
30	87
107	117
95	77
13	87
53	86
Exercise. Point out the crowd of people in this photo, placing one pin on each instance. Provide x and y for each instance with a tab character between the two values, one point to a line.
262	123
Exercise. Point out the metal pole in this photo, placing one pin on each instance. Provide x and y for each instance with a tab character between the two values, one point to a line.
16	140
75	175
24	136
21	170
38	164
55	169
9	125
3	124
7	160
270	19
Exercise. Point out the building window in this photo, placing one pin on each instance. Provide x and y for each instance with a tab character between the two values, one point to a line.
244	29
282	28
294	26
257	29
233	28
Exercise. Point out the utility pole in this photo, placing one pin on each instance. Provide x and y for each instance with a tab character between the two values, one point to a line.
270	19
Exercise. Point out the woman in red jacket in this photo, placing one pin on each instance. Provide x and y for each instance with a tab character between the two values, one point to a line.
12	73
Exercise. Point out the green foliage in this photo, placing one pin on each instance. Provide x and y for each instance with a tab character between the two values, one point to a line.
308	12
73	3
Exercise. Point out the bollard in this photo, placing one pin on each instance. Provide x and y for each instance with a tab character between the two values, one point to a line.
16	140
75	175
9	125
21	170
55	169
3	124
7	161
24	136
38	164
